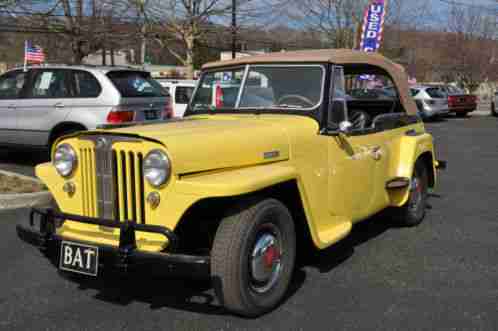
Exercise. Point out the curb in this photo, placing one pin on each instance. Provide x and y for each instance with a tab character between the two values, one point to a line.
23	200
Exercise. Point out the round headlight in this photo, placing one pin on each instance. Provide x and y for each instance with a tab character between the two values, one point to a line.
65	160
157	168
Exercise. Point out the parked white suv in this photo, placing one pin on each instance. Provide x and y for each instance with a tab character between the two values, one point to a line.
43	103
180	91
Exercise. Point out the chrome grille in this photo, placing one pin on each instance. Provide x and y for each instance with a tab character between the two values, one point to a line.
112	180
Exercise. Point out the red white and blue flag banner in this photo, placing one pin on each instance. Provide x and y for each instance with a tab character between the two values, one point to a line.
373	26
33	53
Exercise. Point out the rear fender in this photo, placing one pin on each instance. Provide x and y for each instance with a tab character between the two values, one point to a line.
408	151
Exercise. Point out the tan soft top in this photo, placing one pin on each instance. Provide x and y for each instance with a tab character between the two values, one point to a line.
336	56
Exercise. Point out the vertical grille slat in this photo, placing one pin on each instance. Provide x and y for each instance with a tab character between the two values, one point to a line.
112	180
132	189
116	185
91	175
124	183
84	175
139	196
120	188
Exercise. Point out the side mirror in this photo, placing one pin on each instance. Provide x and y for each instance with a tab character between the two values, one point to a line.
345	127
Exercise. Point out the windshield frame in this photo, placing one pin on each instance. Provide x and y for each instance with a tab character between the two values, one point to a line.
312	111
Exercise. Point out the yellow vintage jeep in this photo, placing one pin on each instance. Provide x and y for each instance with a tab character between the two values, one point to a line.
275	152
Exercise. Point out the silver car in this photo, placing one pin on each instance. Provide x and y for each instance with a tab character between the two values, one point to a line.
43	103
431	101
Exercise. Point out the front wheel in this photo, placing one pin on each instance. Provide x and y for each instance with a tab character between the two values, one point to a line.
413	211
494	112
252	258
462	114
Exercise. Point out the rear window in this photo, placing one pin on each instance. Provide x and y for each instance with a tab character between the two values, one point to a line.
136	84
435	93
183	94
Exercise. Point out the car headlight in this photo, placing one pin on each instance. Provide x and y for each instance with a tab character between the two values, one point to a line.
65	160
156	168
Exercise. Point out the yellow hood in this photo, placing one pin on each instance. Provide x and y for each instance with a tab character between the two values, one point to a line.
203	143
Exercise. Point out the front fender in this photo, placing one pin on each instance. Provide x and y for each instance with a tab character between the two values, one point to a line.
233	182
409	150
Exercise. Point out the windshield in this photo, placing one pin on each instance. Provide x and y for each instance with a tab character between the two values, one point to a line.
260	87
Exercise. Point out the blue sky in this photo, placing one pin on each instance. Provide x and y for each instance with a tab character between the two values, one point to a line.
441	5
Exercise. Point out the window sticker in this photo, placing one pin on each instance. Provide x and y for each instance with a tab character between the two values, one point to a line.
45	80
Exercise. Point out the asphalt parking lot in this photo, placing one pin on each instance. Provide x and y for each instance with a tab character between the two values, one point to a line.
441	275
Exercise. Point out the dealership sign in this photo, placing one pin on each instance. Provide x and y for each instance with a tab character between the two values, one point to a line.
373	26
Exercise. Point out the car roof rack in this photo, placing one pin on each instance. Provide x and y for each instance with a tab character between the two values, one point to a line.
83	65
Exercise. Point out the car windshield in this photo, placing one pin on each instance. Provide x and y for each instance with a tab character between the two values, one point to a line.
270	87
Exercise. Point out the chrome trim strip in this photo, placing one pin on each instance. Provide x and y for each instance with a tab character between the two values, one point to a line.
242	84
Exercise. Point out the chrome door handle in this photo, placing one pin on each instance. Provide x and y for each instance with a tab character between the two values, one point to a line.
376	152
11	107
59	105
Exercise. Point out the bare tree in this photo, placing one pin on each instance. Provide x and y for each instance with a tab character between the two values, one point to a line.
336	20
184	24
84	24
471	48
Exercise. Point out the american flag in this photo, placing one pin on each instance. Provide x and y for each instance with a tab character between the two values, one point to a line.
34	53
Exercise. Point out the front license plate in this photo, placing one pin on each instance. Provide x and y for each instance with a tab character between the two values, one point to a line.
79	258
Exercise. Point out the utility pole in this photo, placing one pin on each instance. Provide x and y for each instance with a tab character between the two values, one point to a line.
234	28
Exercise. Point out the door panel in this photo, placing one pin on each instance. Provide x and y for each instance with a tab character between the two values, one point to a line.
45	105
352	171
11	87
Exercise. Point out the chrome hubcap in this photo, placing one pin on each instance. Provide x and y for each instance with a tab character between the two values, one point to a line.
265	262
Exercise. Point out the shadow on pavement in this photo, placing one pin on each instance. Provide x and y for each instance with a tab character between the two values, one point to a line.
198	296
331	257
25	158
188	295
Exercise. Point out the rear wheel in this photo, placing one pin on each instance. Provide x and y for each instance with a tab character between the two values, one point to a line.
462	114
494	112
253	256
413	211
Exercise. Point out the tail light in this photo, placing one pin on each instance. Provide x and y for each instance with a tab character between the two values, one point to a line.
218	97
120	116
168	109
451	100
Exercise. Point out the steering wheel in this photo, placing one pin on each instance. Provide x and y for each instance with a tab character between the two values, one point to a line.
295	96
